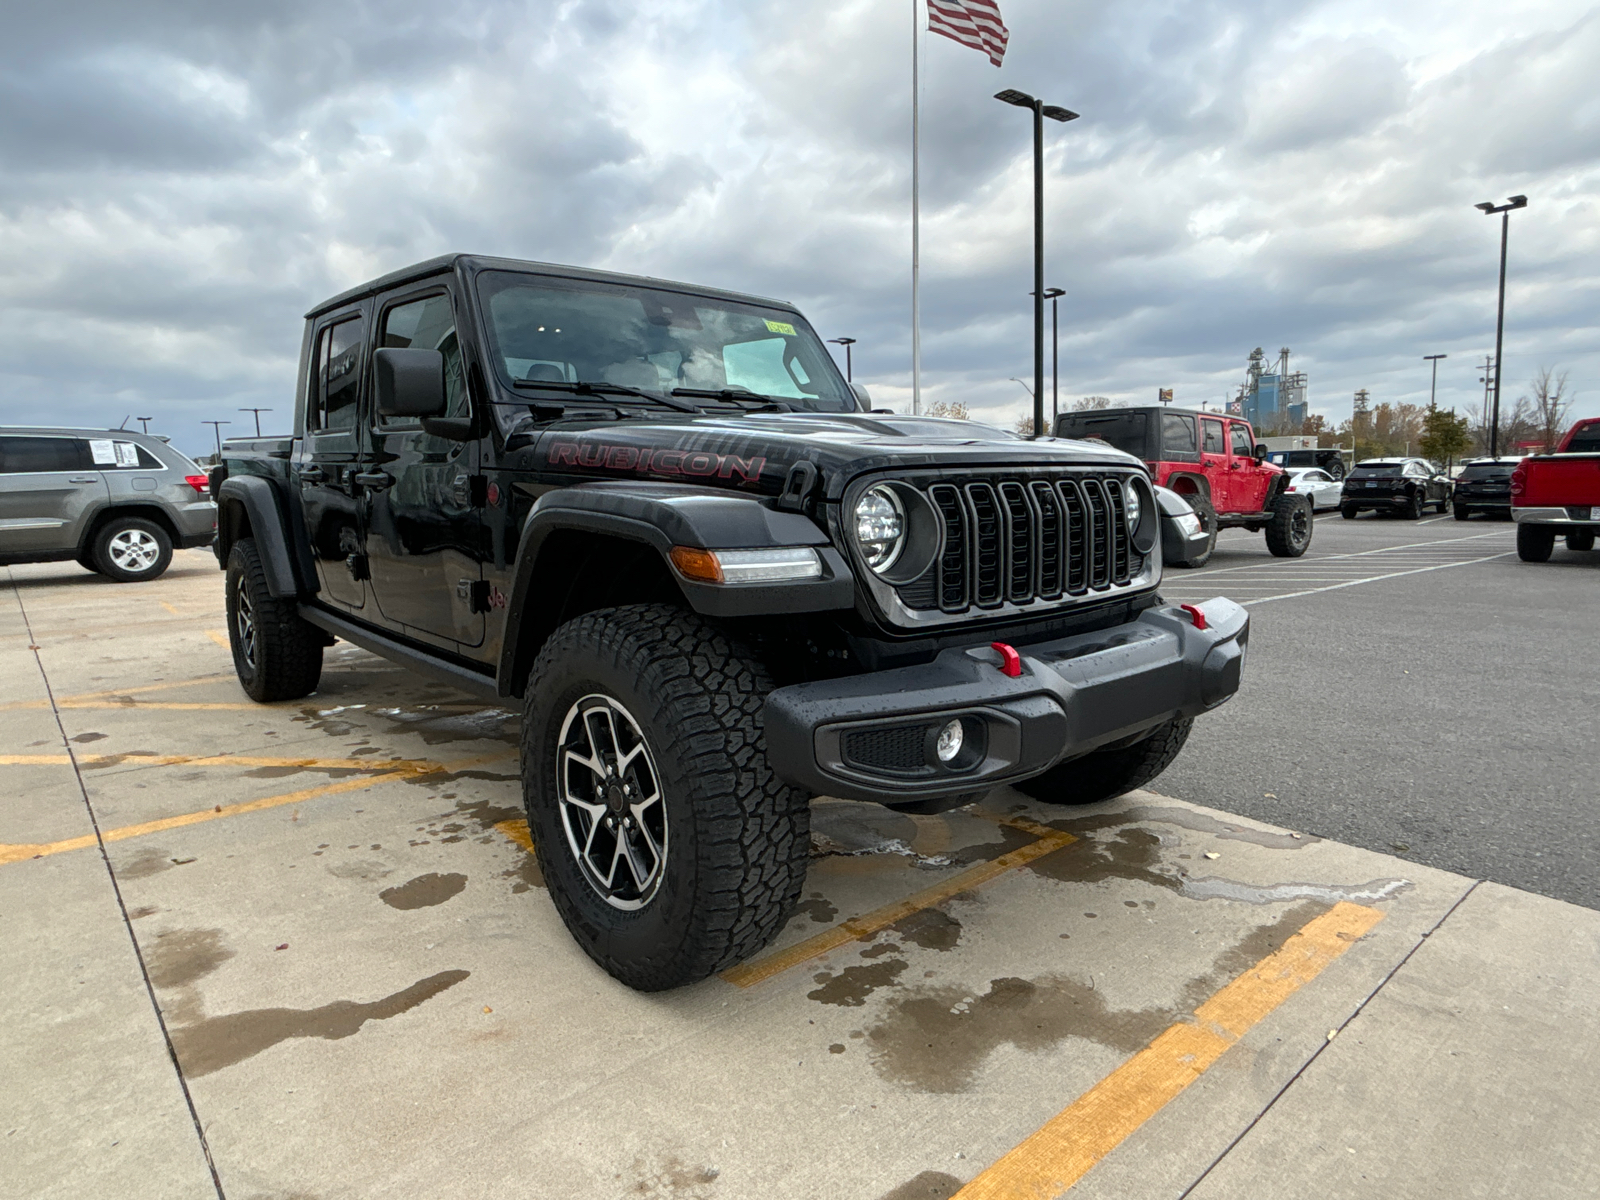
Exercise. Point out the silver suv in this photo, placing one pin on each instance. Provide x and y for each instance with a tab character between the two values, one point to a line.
115	501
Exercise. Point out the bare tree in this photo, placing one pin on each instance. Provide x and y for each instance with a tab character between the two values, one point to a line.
956	410
1548	406
1024	425
1089	402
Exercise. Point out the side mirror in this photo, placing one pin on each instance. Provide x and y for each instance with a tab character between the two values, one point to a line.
1261	452
410	383
862	396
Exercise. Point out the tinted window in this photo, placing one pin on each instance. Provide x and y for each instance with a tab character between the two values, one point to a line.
1177	436
1585	441
338	379
1242	445
1478	472
1213	436
20	455
428	324
1377	469
1127	431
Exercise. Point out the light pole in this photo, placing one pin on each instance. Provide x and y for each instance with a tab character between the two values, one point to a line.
216	428
1053	295
144	423
1487	379
258	412
1489	208
1433	388
846	343
1040	111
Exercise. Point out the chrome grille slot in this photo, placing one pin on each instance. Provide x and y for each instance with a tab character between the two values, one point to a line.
1020	587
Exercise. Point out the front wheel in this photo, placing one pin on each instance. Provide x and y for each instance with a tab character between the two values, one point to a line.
1581	541
1535	542
277	653
131	550
670	847
1107	773
1289	531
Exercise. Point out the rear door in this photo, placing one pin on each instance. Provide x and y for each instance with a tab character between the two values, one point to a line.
49	490
422	519
1214	462
332	453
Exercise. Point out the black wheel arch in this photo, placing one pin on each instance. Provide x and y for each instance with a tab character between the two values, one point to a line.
250	506
118	512
1190	483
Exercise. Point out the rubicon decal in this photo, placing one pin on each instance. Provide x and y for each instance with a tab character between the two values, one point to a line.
698	463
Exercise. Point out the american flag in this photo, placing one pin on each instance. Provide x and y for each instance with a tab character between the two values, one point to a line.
974	23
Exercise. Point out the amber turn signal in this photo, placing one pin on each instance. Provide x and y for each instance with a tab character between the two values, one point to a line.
694	563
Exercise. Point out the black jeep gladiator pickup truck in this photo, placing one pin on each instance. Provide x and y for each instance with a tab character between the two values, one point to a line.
658	516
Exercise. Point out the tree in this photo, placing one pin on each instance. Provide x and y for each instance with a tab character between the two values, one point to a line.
956	410
1516	425
1444	435
1547	408
1024	425
1089	402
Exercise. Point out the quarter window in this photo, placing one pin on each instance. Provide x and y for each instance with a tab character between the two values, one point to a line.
29	455
338	382
428	324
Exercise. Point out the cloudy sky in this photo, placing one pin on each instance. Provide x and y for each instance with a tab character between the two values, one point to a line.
180	181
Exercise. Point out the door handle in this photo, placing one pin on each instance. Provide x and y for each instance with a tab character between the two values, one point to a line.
374	481
311	474
83	479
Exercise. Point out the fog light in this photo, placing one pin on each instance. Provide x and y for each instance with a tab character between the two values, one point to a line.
949	744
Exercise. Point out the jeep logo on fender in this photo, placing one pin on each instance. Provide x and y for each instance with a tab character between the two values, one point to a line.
698	463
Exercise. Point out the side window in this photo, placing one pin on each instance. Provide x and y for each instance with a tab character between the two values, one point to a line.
1243	447
1177	436
1213	436
428	324
28	455
338	376
110	454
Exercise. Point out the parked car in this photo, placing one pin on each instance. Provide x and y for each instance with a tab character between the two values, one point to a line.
1322	488
1559	493
1326	459
1210	459
1484	486
1183	536
115	501
658	516
1405	486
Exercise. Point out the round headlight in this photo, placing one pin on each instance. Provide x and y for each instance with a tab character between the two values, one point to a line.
880	527
1131	501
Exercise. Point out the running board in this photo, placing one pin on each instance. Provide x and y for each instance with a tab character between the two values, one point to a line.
472	682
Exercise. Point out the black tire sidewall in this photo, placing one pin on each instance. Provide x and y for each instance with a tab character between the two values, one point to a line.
102	549
239	575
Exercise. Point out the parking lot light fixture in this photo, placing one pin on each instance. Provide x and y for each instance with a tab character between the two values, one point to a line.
849	376
1040	111
1433	388
1053	295
1489	208
216	428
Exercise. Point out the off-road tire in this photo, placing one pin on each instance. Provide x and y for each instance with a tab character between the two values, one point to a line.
1348	511
277	654
1289	531
1107	773
738	838
1462	512
1535	542
105	549
1581	541
1208	521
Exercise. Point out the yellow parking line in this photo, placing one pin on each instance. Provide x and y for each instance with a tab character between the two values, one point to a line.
517	830
220	638
855	928
132	691
1068	1146
18	852
219	760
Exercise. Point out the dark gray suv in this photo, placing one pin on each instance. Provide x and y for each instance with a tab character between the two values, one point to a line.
117	502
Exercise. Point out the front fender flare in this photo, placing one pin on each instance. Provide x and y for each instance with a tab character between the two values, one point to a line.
267	527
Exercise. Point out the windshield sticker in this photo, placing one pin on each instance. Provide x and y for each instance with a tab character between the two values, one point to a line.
781	327
104	452
127	454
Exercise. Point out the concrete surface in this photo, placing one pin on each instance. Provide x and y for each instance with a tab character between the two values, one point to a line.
370	994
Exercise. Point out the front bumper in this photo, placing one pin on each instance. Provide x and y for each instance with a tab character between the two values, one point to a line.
1579	517
873	736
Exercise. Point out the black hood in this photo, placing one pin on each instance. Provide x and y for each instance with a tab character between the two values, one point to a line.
755	452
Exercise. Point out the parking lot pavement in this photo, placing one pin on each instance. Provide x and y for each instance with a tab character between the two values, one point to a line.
367	993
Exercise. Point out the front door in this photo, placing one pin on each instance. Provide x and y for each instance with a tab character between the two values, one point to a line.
422	506
331	457
1214	462
1247	479
48	488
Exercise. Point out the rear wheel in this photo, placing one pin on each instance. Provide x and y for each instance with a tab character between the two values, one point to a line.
1581	540
1415	509
1289	531
277	654
1208	521
670	847
131	549
1107	773
1535	542
1347	511
1462	512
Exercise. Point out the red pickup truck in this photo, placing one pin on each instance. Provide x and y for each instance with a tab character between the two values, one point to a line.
1559	493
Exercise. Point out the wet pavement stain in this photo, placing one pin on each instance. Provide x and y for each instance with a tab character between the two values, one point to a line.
672	1177
526	873
851	986
929	928
217	1042
176	958
1133	854
149	861
424	891
89	737
816	906
930	1185
368	869
285	772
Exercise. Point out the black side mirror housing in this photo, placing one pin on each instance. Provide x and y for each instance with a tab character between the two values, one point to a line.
1261	452
409	383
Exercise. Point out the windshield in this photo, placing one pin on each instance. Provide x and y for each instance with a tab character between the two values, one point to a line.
1127	431
1486	471
570	331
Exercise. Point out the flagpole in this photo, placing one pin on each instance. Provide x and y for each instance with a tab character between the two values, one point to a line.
916	216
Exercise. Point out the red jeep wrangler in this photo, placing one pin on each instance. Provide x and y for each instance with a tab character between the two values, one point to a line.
1214	462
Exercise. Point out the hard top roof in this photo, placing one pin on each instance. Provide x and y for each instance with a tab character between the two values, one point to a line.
1148	408
131	435
444	262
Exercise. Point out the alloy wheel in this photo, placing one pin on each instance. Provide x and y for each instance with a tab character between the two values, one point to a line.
245	621
133	550
612	807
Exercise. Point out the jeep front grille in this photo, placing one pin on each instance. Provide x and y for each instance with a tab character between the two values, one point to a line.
1039	538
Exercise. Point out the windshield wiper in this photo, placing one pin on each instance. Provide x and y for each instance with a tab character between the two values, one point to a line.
585	388
772	403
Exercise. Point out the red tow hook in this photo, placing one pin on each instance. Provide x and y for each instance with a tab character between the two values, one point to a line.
1195	615
1010	660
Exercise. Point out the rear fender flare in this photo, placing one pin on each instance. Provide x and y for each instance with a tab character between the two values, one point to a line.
248	506
1191	484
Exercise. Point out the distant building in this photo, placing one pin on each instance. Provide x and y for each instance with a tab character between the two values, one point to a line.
1272	400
